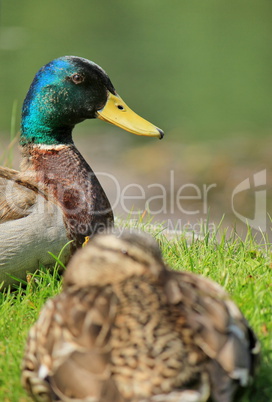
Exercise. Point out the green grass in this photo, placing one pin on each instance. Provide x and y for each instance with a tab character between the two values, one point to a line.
243	267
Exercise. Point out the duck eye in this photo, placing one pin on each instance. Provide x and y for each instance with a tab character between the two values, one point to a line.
120	107
77	78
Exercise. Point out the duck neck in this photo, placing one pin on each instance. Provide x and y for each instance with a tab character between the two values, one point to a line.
44	134
71	183
44	119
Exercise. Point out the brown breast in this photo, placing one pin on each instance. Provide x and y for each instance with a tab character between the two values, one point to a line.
73	185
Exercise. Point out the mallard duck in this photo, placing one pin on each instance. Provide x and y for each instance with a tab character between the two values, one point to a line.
126	328
56	197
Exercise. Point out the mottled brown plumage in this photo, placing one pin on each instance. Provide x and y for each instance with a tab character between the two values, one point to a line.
125	328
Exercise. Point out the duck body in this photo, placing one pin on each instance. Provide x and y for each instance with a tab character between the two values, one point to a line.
56	197
126	328
23	243
72	206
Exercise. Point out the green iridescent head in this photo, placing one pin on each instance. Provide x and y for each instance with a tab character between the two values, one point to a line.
63	93
69	90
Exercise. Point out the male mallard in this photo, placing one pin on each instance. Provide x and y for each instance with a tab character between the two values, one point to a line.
56	197
125	328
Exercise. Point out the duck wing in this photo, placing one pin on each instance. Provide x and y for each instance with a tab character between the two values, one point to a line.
220	331
71	340
17	194
31	224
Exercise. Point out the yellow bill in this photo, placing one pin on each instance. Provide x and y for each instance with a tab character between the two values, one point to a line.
118	113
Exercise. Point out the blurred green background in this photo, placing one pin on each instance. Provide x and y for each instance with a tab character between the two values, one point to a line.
200	70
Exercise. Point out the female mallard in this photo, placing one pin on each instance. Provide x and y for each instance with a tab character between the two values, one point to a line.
125	328
56	197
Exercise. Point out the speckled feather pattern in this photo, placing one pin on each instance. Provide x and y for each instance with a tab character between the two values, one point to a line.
126	328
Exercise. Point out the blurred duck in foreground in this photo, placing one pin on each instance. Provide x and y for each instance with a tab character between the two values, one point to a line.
126	328
56	197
